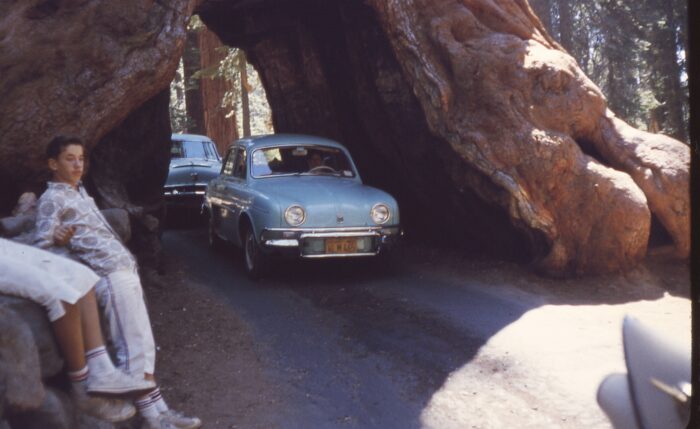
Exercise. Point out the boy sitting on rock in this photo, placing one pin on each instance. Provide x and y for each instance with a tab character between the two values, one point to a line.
65	289
67	217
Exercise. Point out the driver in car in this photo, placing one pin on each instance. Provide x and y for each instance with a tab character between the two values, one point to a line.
314	160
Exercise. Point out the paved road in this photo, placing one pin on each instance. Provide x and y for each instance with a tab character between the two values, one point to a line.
426	344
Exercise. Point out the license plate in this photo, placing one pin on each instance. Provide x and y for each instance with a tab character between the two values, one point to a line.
341	245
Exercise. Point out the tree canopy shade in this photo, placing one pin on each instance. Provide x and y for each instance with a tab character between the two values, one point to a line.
468	110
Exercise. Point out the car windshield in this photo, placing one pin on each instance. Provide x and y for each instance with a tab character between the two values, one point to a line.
301	160
193	149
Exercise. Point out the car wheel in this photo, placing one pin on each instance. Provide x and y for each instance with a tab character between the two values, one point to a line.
254	259
215	242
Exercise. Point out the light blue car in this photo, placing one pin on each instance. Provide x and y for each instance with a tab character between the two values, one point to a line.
297	195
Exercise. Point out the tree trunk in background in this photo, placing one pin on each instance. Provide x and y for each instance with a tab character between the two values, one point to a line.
670	72
217	126
543	10
566	30
245	88
193	95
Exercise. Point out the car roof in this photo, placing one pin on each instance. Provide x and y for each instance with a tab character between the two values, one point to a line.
268	140
189	137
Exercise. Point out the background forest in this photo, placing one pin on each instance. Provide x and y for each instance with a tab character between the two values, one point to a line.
635	51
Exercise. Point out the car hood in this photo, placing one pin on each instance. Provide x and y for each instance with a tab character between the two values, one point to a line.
328	201
189	162
188	171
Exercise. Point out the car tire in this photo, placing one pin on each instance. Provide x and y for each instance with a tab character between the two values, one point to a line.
254	260
215	242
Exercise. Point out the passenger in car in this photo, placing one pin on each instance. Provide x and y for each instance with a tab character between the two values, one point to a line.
65	289
67	217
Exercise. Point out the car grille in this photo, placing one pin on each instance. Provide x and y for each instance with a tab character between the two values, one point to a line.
175	191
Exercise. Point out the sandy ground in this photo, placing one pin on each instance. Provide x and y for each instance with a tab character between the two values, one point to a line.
208	363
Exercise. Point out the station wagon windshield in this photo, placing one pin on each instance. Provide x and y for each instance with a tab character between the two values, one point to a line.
301	160
193	149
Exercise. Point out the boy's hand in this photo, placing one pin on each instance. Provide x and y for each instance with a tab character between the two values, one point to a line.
63	234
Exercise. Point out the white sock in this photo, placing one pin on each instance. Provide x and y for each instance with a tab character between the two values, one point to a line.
158	400
98	360
78	380
147	407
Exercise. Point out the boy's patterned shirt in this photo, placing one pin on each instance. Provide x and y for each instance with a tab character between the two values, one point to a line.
95	243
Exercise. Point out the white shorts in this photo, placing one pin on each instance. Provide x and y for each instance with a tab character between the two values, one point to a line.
43	277
120	298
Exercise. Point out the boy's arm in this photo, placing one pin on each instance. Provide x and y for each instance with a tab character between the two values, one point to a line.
47	221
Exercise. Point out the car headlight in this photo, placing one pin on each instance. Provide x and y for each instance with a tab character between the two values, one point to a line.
295	215
380	213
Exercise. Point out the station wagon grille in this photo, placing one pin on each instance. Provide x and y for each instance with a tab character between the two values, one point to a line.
184	190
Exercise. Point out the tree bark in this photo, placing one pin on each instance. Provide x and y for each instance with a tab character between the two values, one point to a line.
78	68
543	10
566	33
513	105
467	108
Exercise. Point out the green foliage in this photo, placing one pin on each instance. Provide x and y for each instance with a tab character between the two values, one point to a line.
633	50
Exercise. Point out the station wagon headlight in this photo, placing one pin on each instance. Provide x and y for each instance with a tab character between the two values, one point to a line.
295	215
380	213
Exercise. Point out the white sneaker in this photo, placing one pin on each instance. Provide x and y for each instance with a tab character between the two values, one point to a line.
112	410
117	382
156	422
179	420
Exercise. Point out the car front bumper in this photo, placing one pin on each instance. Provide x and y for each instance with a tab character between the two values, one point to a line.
185	195
330	242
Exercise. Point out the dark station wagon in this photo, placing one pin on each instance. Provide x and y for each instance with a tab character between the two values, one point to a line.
194	161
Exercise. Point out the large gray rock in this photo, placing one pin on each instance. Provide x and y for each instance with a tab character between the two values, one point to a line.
19	364
34	317
88	422
12	226
55	412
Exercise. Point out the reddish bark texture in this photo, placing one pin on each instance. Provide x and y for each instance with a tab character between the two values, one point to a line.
78	67
467	110
514	105
217	126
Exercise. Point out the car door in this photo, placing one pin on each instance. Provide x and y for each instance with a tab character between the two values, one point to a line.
219	197
237	188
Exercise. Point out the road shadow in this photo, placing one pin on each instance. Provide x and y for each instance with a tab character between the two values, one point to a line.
375	322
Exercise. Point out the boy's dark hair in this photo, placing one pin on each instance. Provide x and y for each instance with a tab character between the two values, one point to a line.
56	145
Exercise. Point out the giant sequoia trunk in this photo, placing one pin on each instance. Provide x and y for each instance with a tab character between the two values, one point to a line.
514	105
467	110
191	64
218	125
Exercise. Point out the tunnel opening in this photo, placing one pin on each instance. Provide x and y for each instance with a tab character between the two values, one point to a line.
216	92
328	70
